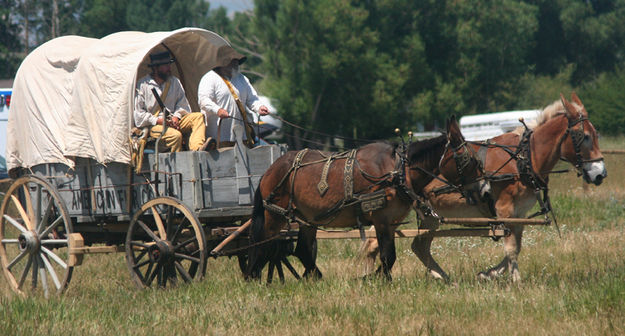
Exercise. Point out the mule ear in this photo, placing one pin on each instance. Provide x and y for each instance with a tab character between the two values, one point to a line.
567	106
576	99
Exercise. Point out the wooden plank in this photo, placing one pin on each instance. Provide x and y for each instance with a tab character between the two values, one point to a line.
97	249
411	233
491	221
75	242
613	151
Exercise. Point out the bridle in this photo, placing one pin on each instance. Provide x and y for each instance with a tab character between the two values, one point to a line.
577	138
463	160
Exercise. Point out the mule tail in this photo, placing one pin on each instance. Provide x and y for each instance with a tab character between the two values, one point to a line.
255	255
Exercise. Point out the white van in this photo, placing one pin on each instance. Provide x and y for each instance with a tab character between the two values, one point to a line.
5	102
485	126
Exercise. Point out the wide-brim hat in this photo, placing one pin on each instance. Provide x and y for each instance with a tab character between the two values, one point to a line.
160	58
225	55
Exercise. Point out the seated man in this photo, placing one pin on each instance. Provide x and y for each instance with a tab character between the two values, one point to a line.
173	96
225	95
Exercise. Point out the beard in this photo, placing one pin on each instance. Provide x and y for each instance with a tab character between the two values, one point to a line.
235	72
164	75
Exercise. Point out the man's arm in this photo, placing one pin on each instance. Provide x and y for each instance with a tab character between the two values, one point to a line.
253	101
142	116
181	106
206	97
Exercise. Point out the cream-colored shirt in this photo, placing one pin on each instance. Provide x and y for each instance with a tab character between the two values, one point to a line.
146	105
213	94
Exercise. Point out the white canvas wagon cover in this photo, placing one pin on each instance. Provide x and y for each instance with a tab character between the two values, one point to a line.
74	96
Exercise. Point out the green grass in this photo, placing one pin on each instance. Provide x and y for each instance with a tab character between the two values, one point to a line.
572	285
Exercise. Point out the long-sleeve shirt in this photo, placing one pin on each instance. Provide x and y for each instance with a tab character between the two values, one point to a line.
146	104
213	94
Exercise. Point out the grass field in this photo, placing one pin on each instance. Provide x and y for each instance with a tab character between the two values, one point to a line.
572	285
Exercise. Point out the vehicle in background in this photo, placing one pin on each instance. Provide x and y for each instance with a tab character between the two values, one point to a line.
5	103
268	125
488	125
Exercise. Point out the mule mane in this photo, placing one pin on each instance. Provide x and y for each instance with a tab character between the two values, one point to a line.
426	149
555	109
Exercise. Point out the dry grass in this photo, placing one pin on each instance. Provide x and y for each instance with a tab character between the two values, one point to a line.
572	285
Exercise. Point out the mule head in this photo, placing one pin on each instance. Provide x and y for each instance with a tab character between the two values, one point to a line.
459	163
582	150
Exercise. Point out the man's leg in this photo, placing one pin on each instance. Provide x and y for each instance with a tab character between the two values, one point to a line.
172	138
193	123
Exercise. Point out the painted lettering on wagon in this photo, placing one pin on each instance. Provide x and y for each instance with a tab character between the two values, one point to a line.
110	200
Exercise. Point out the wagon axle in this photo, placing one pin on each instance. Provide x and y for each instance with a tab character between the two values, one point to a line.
29	242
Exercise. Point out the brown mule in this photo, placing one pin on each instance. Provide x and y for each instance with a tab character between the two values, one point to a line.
562	131
384	184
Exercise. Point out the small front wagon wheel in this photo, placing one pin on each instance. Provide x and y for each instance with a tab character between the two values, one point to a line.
34	230
165	243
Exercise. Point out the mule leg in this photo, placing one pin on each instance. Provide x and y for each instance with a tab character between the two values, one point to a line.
421	246
368	253
512	249
386	241
306	251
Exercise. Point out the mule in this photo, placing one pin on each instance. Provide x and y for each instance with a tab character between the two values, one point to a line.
373	185
563	131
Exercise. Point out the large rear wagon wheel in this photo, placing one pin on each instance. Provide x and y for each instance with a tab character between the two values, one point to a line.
165	244
34	230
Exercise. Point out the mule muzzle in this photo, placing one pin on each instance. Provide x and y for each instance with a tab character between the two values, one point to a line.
594	172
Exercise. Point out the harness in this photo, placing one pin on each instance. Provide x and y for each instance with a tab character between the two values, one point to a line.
462	162
368	201
577	138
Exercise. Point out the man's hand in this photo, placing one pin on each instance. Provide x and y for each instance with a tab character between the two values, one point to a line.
222	113
263	110
174	122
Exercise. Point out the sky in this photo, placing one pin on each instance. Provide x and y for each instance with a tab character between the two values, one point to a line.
232	5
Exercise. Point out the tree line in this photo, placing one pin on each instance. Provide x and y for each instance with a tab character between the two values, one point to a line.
362	68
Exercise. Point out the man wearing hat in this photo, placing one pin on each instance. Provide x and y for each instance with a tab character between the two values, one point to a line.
224	94
147	111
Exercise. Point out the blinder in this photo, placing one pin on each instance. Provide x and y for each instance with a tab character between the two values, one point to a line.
577	139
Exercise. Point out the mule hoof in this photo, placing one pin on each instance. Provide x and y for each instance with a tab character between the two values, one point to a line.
484	276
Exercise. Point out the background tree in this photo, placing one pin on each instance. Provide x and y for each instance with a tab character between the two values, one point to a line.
10	44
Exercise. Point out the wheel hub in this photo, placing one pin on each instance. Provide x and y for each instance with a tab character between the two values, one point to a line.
29	242
162	252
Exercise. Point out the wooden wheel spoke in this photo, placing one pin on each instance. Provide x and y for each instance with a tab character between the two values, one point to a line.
10	241
170	275
141	264
179	229
17	259
46	215
53	275
51	227
42	275
169	221
187	257
29	207
35	269
159	223
150	277
185	276
148	231
138	243
25	272
15	224
54	257
185	243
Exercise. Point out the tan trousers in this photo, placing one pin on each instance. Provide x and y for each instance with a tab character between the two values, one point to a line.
191	124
